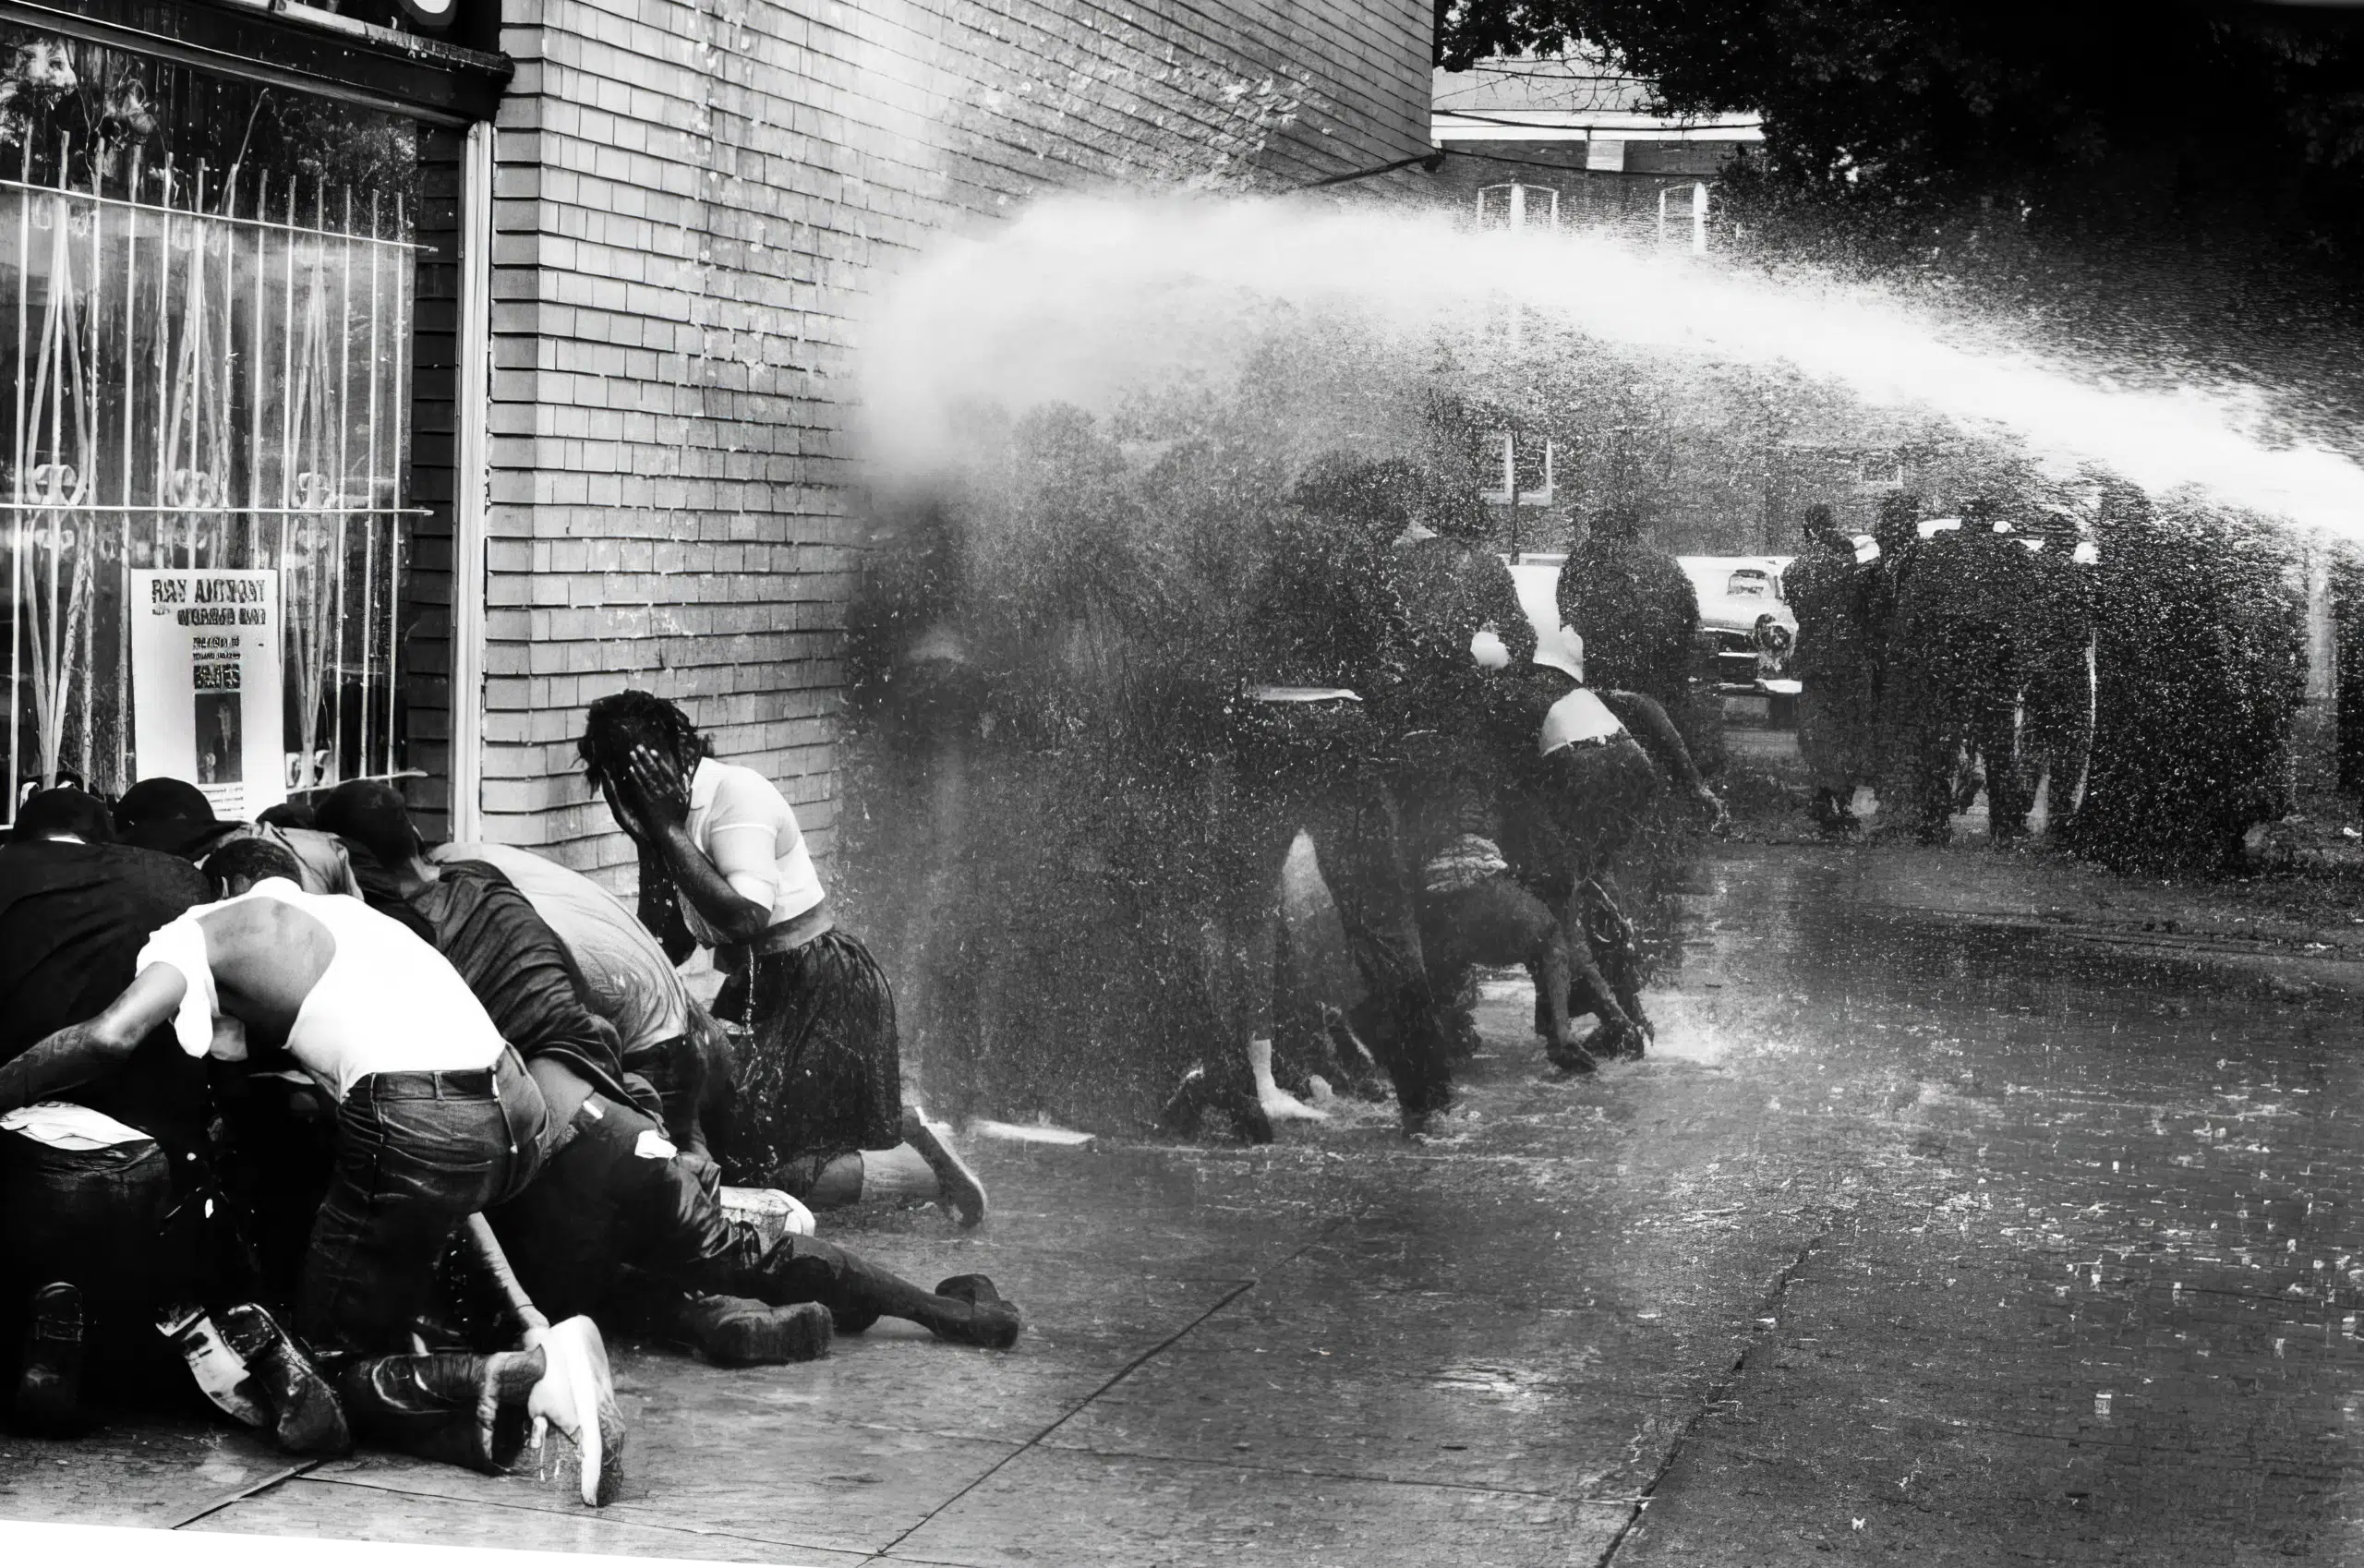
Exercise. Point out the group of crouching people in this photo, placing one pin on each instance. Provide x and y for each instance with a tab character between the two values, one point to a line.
362	1142
1471	802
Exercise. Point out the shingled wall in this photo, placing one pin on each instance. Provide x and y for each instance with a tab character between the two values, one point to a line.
693	202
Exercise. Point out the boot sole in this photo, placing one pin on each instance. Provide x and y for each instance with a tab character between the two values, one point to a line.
601	1441
787	1336
576	1394
307	1419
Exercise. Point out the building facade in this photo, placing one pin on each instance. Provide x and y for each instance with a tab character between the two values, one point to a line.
1571	140
521	363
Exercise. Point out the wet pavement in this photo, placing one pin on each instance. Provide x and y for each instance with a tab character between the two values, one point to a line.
1962	1214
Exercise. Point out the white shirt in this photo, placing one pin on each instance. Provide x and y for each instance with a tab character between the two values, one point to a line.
386	1003
1576	718
630	982
741	822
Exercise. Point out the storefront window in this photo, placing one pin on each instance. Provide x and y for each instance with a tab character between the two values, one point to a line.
207	301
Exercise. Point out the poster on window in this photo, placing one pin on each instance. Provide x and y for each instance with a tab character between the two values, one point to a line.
205	685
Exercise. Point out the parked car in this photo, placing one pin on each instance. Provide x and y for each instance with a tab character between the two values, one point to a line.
1735	592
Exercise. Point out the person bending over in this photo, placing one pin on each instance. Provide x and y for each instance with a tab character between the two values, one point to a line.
667	1039
87	1262
620	1219
174	816
818	1111
436	1119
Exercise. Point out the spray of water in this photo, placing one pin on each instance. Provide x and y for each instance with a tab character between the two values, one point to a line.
1088	301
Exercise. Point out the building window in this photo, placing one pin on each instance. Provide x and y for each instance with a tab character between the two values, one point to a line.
207	296
1527	475
1519	207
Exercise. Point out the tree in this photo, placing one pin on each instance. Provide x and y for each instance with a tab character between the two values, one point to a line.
1889	105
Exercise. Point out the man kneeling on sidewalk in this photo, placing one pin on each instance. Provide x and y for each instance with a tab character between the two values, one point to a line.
436	1119
620	1218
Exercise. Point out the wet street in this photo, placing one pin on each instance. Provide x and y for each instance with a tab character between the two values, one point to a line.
1969	1209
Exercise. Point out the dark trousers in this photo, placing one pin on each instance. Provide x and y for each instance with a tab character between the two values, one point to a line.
606	1203
105	1220
611	1229
417	1155
1318	768
2057	733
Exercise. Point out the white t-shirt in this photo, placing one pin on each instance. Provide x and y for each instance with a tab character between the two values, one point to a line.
386	1003
1578	718
738	813
632	983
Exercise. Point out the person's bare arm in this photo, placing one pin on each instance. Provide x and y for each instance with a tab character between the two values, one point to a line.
660	907
81	1052
662	806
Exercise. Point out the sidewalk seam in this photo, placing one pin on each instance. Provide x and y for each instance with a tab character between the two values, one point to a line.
1716	1394
253	1489
1239	1288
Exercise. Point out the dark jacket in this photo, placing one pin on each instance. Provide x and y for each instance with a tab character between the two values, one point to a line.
520	971
1637	613
73	918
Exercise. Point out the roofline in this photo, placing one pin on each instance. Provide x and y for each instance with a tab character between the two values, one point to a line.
1560	125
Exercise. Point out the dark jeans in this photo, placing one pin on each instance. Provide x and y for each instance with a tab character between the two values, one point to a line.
600	1206
417	1155
105	1220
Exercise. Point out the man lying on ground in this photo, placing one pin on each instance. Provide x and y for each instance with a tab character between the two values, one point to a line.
436	1119
620	1216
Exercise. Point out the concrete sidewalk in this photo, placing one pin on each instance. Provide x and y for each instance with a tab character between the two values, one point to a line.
1899	1197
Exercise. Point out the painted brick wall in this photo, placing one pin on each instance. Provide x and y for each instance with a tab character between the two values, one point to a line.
692	198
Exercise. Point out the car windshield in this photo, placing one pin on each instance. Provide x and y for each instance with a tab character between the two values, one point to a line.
1749	585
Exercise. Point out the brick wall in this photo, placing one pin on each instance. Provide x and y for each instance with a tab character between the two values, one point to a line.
692	198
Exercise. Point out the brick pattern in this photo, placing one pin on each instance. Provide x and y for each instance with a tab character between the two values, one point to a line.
692	198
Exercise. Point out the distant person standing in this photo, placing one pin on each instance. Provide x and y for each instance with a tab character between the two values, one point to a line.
1634	609
2057	727
1834	667
1896	537
1961	619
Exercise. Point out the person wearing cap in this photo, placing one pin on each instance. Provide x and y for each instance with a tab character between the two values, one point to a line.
85	1175
1963	651
436	1117
1586	788
174	816
620	1219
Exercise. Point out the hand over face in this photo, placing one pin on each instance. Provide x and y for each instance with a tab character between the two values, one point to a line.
623	805
664	802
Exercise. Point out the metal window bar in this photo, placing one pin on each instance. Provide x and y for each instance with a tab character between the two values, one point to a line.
211	355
